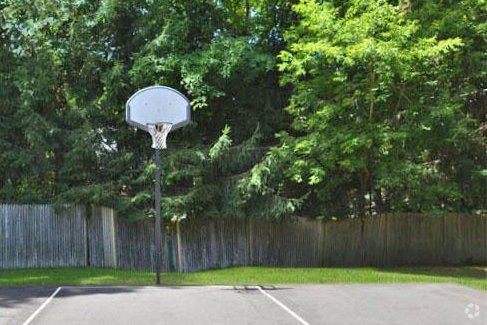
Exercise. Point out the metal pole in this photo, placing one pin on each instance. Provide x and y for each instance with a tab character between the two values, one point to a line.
158	235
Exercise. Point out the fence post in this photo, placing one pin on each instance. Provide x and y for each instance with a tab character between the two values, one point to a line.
178	247
250	255
113	234
321	242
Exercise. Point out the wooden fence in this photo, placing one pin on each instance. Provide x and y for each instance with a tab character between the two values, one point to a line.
37	236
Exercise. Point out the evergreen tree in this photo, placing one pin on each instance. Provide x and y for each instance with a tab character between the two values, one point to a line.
79	62
386	105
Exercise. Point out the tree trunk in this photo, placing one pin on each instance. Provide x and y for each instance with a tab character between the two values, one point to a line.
361	196
379	203
247	8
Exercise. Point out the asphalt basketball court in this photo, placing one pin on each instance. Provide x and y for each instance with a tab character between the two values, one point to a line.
375	304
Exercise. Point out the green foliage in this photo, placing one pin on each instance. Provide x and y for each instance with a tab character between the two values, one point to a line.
379	124
387	113
72	65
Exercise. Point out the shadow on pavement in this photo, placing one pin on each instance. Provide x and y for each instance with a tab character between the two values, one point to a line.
11	297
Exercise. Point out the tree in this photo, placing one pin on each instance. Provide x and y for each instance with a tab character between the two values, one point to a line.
378	124
387	110
74	64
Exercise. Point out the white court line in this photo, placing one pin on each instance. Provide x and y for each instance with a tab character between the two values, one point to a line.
41	307
150	287
280	304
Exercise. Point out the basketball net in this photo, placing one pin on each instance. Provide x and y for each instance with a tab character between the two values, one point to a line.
159	132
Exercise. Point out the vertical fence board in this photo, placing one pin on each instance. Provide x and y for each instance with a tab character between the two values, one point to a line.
102	233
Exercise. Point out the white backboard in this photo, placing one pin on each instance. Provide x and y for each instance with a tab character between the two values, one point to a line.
157	104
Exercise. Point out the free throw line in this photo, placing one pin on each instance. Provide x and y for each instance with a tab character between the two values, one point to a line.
41	307
280	304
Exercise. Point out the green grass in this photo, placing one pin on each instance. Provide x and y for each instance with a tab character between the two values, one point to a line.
475	277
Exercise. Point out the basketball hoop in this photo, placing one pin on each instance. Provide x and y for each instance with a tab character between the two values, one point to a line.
159	132
143	110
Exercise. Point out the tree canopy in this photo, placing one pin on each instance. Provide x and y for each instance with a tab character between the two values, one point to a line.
335	108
